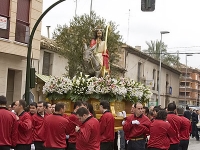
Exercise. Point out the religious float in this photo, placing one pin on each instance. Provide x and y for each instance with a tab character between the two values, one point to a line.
121	93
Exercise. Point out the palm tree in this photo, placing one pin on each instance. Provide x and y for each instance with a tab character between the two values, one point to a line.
154	51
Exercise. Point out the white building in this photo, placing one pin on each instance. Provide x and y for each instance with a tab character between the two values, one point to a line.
17	18
145	69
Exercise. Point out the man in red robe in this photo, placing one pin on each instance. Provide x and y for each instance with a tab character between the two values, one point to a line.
88	134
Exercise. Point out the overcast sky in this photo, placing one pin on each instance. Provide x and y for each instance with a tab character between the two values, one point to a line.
179	17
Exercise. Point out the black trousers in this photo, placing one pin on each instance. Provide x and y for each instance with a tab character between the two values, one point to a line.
39	145
153	148
136	145
196	133
173	147
106	145
183	145
71	146
23	147
4	147
54	148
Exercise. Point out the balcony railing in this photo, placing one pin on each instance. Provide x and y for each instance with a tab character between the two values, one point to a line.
183	96
183	86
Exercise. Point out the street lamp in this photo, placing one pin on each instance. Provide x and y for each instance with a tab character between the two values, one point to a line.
186	76
159	100
28	63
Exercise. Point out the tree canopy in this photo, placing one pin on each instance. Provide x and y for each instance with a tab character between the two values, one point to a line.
70	39
154	51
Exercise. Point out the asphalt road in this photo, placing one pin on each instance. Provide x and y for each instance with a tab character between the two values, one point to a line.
194	145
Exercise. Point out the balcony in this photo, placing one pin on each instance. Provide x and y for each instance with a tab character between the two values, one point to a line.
188	89
183	96
183	86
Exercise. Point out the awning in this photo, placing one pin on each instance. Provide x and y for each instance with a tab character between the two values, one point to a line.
43	77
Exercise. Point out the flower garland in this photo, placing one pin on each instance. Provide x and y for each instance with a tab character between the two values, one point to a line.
83	87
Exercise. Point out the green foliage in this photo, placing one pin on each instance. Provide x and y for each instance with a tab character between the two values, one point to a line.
70	40
154	51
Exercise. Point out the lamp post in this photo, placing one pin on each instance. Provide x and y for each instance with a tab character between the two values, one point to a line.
27	87
159	89
186	76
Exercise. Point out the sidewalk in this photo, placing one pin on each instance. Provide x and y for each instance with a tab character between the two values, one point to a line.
194	145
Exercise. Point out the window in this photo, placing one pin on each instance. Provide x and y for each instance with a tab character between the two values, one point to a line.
158	80
46	63
22	23
4	18
154	79
139	71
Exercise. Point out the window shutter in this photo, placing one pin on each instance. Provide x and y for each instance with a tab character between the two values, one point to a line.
4	8
23	8
46	63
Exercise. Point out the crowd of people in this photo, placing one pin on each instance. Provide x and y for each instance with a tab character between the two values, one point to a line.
47	127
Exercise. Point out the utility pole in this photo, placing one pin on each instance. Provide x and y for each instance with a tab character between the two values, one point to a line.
76	8
128	25
48	32
90	9
28	65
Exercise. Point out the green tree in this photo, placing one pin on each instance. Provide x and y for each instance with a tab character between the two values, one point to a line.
70	40
154	51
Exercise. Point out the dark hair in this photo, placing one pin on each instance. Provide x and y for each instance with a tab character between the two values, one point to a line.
95	34
82	111
45	104
59	106
180	111
3	100
105	104
13	104
22	103
156	109
146	110
91	110
187	107
161	115
33	104
85	103
78	103
171	107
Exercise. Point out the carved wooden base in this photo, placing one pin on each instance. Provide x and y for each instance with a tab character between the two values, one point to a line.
115	106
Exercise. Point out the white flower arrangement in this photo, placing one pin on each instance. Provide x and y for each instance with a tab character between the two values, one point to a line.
83	87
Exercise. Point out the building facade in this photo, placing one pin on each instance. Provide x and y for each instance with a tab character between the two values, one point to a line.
145	69
51	63
189	91
17	18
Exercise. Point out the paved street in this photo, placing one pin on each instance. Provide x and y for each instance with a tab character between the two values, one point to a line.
194	145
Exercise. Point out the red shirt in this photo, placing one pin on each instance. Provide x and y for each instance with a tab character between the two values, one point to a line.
134	130
8	127
160	131
65	115
88	137
107	133
56	129
24	128
38	127
176	123
185	129
75	122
